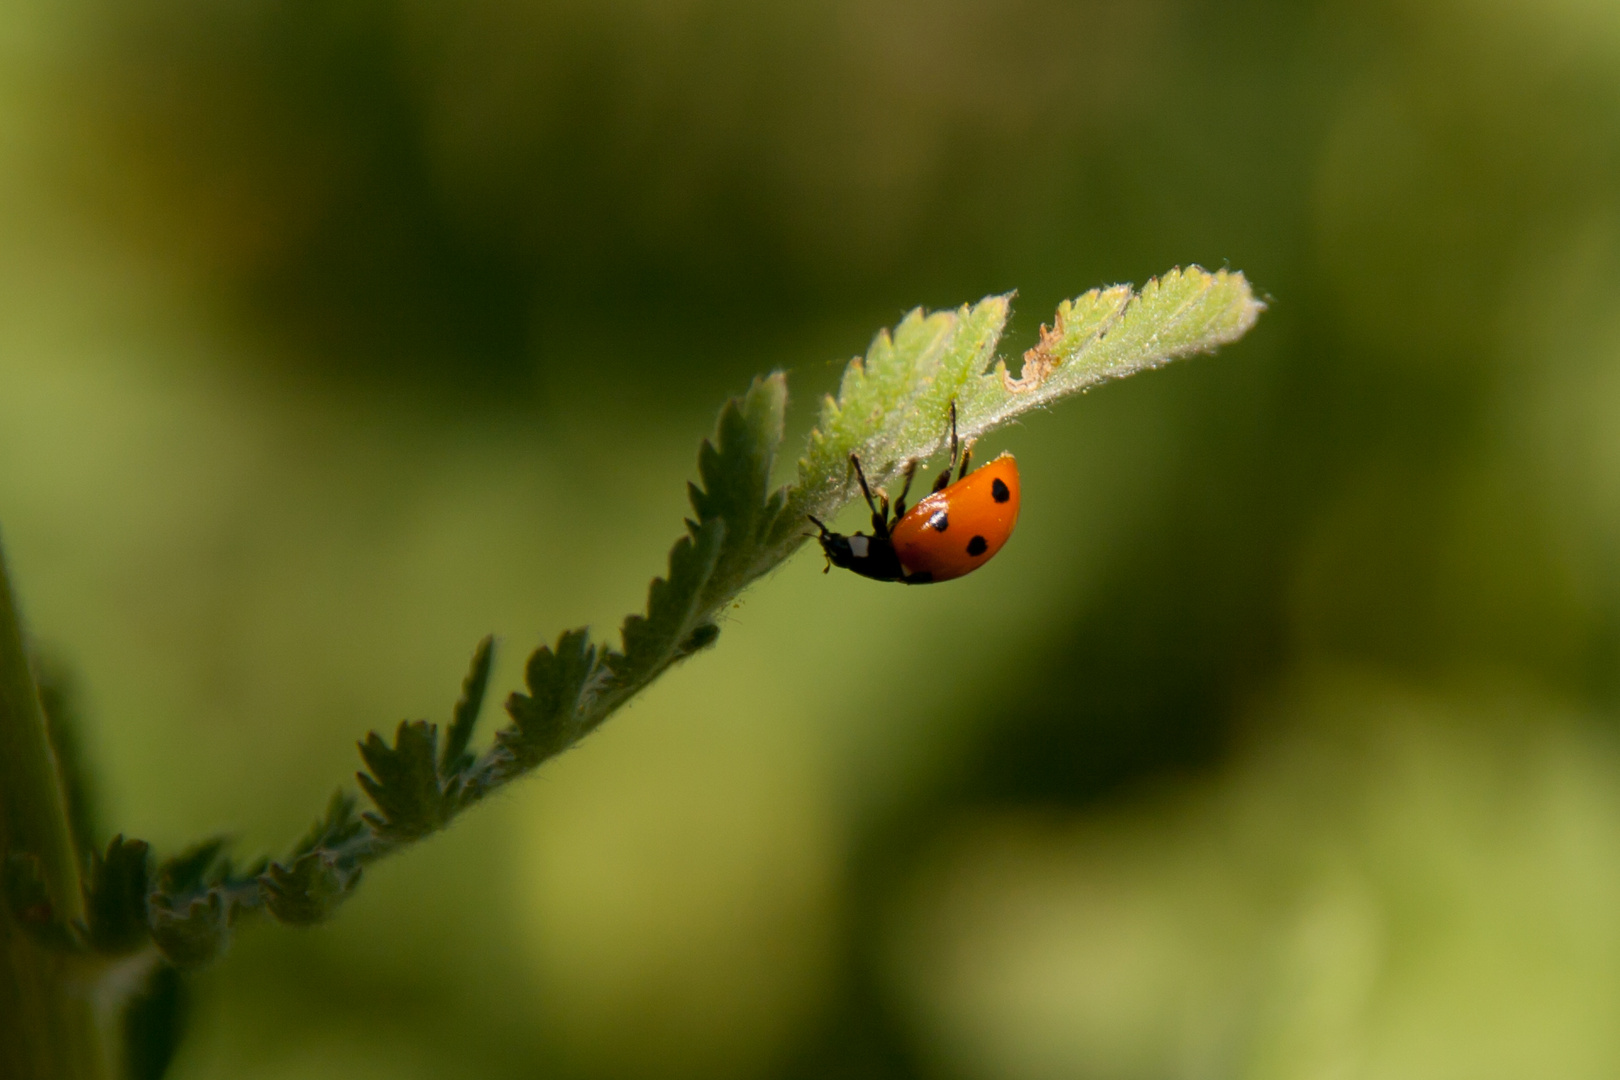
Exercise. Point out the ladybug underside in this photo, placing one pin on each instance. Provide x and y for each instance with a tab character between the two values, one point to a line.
870	556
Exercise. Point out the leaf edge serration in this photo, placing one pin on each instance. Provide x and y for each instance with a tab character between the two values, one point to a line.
888	409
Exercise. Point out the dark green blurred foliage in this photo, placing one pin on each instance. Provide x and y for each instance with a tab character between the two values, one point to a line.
465	715
154	1023
401	188
1305	655
115	896
404	781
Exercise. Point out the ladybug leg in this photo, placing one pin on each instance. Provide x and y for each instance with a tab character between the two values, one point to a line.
824	536
944	479
967	456
855	463
900	503
880	515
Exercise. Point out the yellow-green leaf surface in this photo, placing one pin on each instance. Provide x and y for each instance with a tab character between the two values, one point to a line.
891	406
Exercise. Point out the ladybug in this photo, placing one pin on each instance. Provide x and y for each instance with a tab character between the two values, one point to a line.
952	531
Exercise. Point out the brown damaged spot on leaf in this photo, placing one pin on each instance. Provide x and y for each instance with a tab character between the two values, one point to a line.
1040	361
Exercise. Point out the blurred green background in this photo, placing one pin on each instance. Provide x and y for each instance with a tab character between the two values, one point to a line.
1280	743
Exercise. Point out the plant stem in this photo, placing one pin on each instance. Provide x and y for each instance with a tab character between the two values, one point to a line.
48	1027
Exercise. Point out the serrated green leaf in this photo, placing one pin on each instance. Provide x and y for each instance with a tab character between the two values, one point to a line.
193	932
891	409
332	829
404	782
115	897
187	871
309	890
892	406
547	719
465	715
652	641
735	470
1111	333
225	873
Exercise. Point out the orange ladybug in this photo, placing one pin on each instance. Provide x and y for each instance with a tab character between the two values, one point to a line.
952	531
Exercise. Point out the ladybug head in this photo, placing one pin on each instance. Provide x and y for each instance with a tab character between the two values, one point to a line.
869	556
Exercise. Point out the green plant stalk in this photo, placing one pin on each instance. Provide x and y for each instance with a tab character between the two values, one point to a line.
48	1025
74	949
888	411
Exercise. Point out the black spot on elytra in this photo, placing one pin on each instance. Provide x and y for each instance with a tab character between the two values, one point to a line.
999	492
939	522
977	545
